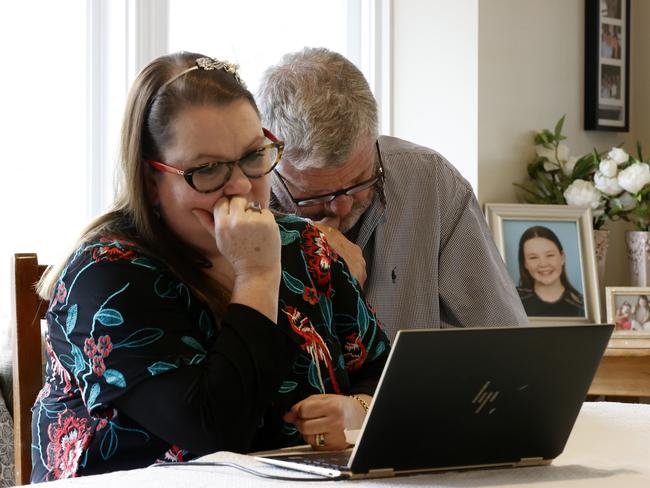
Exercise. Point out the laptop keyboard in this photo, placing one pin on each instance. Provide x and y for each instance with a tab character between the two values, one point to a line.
333	460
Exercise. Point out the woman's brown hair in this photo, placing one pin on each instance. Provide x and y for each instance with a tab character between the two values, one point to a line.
152	105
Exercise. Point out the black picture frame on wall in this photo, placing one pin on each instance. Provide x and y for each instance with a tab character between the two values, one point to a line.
607	65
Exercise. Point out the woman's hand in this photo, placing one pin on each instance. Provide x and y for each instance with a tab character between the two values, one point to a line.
250	241
328	415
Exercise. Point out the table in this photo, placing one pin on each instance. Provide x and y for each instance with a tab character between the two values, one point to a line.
623	372
609	447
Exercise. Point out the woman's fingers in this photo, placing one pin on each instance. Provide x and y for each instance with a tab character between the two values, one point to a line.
328	423
327	441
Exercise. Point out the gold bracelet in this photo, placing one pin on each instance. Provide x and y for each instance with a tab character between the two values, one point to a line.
364	404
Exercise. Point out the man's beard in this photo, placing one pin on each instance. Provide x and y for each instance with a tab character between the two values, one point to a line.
280	201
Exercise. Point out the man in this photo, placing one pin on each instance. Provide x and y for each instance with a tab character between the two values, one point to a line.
418	232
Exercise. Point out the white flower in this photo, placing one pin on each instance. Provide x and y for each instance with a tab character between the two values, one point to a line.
609	186
634	177
608	167
570	164
627	201
583	193
550	166
618	155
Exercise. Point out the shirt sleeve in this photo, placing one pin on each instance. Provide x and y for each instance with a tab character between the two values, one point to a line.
133	337
477	287
220	404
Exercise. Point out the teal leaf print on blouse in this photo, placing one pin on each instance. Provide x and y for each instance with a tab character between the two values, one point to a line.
160	367
288	429
314	377
362	317
193	343
145	262
288	236
79	363
140	338
71	320
294	284
114	377
92	396
109	317
287	386
326	307
109	443
381	347
287	218
205	325
196	359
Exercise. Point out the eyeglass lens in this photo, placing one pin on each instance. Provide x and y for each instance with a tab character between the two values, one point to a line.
328	198
254	165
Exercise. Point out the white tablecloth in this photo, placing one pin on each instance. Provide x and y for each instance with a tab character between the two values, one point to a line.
609	447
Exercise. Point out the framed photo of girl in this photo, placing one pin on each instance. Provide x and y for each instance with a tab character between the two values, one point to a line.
628	308
607	65
549	253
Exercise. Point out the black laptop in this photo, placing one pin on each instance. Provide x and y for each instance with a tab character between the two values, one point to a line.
469	398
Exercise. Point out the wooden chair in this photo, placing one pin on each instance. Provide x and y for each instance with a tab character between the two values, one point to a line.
27	368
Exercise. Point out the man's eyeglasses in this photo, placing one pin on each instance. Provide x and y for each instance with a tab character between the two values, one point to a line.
328	197
210	177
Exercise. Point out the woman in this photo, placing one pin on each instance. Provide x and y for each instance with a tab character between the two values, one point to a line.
544	287
641	314
166	336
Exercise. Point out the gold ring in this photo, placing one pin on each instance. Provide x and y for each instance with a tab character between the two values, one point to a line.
255	206
320	439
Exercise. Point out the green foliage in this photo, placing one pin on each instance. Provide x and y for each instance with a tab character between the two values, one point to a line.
550	174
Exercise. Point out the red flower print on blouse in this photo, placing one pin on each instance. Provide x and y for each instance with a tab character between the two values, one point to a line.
319	257
314	345
97	352
310	295
113	251
354	352
104	346
69	437
174	454
58	370
61	293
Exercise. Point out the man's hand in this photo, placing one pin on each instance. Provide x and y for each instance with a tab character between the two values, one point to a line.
349	251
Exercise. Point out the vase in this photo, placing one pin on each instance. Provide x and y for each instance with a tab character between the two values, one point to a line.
601	243
638	253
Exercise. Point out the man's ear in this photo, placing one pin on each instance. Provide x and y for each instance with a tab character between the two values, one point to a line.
151	185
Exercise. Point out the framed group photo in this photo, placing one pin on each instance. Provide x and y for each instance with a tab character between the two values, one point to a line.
607	65
549	254
628	308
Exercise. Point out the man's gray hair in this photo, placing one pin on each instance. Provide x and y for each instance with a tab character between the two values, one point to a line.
319	104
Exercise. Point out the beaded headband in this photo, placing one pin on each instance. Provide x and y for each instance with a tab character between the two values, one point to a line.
208	64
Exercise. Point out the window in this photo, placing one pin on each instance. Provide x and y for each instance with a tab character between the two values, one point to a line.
68	66
254	33
43	189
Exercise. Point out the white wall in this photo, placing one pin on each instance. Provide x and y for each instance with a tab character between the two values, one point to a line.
475	80
435	78
640	89
530	74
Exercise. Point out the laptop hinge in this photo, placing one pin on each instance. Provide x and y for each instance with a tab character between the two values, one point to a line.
531	461
381	473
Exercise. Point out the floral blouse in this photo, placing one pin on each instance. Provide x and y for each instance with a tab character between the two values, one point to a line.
139	371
